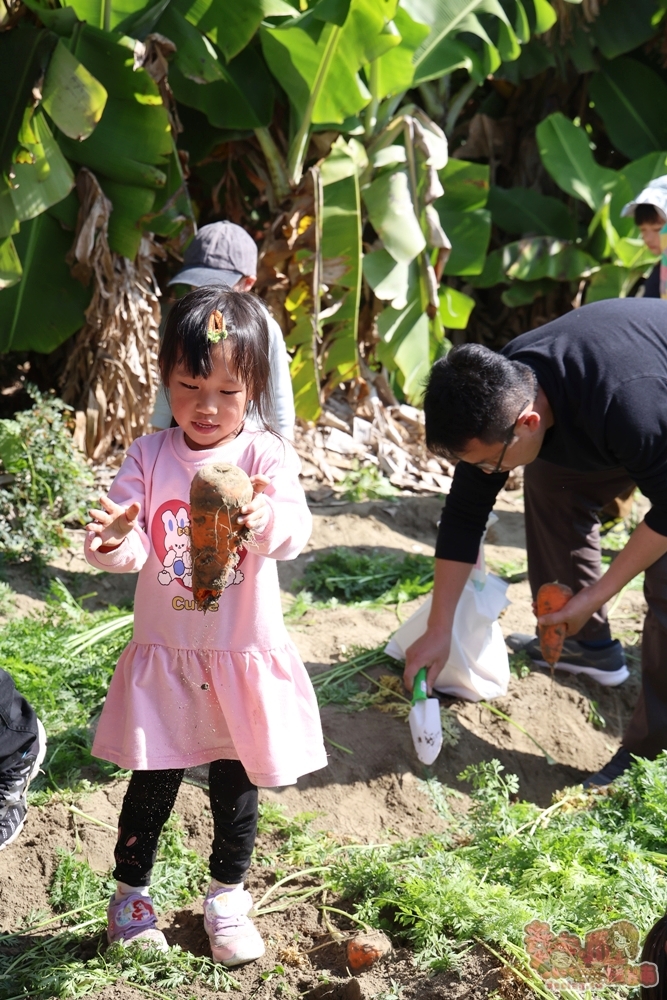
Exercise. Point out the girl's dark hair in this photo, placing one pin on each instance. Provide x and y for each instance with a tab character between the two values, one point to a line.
474	393
646	215
186	342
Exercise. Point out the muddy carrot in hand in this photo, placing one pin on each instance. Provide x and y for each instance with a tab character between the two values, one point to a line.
217	494
552	597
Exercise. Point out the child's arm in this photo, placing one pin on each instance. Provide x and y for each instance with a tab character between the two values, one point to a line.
116	540
278	515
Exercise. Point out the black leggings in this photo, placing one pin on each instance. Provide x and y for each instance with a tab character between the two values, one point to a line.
147	806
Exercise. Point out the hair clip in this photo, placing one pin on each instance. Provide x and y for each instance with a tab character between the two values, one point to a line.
217	328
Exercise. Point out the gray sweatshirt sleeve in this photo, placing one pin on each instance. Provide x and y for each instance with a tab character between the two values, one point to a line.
283	417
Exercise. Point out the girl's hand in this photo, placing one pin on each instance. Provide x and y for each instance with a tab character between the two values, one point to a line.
112	524
257	514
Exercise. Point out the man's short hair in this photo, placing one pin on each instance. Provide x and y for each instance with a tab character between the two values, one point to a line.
647	215
474	393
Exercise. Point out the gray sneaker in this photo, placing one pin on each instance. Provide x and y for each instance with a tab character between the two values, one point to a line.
606	666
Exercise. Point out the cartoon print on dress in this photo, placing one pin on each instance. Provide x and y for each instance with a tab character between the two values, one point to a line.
170	535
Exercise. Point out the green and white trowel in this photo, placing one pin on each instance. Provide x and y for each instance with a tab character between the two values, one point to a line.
424	720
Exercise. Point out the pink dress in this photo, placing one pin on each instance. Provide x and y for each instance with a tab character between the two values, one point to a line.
193	687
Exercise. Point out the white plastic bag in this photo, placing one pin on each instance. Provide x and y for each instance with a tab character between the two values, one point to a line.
478	666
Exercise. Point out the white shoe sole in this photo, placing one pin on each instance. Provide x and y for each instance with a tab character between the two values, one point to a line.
605	678
41	734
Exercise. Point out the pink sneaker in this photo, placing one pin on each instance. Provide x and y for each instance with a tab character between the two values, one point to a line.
132	919
233	936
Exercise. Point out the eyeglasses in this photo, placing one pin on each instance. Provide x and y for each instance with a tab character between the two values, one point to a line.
486	466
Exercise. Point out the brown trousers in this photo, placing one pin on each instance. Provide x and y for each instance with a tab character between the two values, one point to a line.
563	542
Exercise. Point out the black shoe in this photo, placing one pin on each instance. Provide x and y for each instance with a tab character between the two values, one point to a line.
617	766
606	666
14	783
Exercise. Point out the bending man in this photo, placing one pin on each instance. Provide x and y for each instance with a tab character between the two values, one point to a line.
582	403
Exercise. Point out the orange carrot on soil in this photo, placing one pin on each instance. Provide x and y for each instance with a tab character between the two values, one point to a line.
364	950
552	597
217	494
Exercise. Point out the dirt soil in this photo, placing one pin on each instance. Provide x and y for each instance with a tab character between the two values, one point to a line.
371	794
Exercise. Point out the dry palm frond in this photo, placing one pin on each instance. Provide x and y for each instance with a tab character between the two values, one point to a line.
111	375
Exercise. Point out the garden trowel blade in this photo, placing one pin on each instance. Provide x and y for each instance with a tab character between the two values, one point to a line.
426	729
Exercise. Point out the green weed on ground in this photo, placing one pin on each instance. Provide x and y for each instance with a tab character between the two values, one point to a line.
66	685
46	482
346	576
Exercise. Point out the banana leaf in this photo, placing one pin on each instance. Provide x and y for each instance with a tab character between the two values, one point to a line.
47	306
318	63
566	154
304	366
72	97
341	252
469	232
241	99
195	56
446	18
394	70
10	265
521	211
621	26
466	185
387	277
522	293
543	257
606	283
231	24
130	204
455	308
46	178
631	99
24	53
392	215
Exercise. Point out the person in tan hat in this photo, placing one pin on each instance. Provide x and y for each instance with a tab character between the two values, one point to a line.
224	254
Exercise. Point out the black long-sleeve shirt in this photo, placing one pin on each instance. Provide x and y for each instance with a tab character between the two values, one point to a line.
603	369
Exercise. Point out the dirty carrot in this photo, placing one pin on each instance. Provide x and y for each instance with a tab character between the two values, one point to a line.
217	494
552	597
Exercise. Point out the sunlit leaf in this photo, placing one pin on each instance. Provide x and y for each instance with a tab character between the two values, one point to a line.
44	182
10	265
230	23
72	97
341	251
392	215
455	308
566	154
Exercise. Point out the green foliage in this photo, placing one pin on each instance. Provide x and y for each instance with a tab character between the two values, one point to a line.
366	483
354	577
66	688
49	482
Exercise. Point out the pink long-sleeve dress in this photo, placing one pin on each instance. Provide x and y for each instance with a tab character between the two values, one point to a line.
193	687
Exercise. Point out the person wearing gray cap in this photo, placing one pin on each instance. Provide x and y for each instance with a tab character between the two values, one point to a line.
223	253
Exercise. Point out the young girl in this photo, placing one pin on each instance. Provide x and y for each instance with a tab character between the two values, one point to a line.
225	687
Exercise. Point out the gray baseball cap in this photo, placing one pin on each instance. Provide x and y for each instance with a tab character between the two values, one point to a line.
220	254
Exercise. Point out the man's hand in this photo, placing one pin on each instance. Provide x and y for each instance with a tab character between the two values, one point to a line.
257	514
575	613
644	547
112	524
430	650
